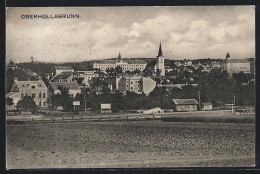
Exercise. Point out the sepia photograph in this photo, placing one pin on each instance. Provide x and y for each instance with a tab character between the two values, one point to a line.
130	87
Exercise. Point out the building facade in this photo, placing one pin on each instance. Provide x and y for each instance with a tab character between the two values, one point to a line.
236	65
36	89
126	65
60	69
74	89
185	105
135	83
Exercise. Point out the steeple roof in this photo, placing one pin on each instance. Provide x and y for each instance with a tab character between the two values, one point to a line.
160	50
228	55
119	56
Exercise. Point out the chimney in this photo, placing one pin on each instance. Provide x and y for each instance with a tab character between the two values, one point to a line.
15	79
40	78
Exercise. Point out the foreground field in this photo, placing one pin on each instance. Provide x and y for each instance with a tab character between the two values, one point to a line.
130	144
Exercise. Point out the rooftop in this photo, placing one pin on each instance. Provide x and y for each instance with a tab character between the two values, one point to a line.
185	101
70	85
63	68
26	84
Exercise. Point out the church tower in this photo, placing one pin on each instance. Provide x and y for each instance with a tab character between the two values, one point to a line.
159	67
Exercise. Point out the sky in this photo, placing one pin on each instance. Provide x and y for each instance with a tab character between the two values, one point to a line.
185	32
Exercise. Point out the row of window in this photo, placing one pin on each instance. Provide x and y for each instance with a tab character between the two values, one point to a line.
33	95
43	104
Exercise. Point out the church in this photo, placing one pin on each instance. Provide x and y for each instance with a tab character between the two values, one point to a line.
159	67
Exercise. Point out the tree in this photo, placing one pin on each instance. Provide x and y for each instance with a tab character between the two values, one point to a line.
27	103
118	69
63	98
9	102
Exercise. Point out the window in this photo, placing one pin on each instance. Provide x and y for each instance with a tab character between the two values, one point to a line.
131	88
21	95
26	95
33	87
33	95
44	103
43	95
40	95
40	103
131	82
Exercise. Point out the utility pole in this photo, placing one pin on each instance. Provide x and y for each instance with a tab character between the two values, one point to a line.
199	100
234	104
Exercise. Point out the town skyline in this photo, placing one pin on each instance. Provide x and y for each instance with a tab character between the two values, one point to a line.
100	33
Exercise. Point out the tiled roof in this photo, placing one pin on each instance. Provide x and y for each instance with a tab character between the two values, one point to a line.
70	85
113	61
206	103
63	68
12	94
185	101
26	84
237	61
63	75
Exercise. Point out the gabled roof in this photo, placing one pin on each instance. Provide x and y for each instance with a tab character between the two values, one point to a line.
63	75
206	103
25	84
12	94
185	101
63	68
70	85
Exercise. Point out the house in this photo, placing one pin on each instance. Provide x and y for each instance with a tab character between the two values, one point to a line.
63	77
60	69
177	63
74	89
30	72
207	106
135	83
11	65
36	89
185	105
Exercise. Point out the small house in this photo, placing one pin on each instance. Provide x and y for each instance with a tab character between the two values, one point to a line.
185	105
207	106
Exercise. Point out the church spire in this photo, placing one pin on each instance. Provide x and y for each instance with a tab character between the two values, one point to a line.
119	56
160	50
228	55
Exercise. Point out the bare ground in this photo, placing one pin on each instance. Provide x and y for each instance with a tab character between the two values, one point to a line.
130	144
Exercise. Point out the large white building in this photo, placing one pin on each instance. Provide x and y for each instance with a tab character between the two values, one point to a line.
135	83
236	65
125	64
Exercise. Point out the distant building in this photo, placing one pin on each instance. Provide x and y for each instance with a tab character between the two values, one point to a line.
30	72
74	89
36	89
207	106
185	104
12	65
135	83
63	77
125	64
60	69
159	67
236	65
